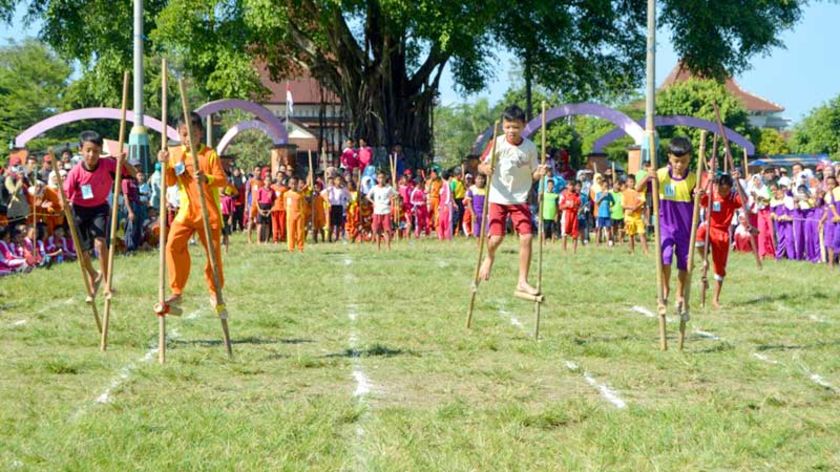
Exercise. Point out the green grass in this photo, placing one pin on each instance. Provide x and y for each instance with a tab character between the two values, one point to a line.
441	397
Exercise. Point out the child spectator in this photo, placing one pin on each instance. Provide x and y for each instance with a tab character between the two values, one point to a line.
419	206
549	211
295	211
380	196
617	212
265	200
572	209
474	202
604	202
445	209
633	203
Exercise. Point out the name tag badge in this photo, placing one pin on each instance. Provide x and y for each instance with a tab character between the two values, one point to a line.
716	207
87	192
670	191
180	168
277	193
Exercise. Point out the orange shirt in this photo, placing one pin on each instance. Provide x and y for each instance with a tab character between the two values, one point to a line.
279	200
295	203
210	164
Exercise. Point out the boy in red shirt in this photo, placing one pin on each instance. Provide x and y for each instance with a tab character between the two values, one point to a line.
87	187
724	203
516	170
571	206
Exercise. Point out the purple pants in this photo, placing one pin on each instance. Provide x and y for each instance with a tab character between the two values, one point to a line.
675	242
785	247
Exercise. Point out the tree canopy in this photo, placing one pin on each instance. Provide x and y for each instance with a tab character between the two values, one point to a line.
819	132
384	58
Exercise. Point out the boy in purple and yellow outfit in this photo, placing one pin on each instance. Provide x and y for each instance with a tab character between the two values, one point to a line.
676	205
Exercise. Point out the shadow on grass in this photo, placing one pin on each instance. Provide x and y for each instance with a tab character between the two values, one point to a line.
377	350
792	347
249	340
782	297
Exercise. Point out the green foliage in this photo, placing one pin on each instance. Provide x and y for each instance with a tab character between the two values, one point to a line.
819	132
32	85
694	98
771	142
250	148
456	128
384	58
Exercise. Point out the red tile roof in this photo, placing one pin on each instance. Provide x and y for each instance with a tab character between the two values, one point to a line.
305	90
751	102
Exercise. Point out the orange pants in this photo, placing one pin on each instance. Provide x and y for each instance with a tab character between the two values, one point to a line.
178	255
433	212
296	227
278	225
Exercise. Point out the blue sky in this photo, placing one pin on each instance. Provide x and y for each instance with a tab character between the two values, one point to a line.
803	76
800	77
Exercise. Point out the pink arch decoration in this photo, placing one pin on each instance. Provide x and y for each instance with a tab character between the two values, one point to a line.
88	114
244	126
680	120
622	121
276	125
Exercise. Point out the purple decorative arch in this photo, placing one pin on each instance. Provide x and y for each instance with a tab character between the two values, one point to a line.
274	123
679	120
616	117
88	114
244	126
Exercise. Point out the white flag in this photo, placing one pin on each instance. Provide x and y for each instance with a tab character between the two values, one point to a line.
290	102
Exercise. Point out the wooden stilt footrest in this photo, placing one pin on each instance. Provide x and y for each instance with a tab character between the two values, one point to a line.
527	296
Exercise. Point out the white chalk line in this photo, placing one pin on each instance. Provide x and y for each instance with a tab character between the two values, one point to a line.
606	392
609	394
363	385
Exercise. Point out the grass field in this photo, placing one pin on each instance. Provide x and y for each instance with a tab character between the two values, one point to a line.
351	359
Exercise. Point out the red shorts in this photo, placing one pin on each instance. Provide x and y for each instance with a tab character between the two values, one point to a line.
719	242
519	214
381	223
570	225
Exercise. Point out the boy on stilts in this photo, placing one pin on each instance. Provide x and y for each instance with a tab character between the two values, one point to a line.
676	189
87	187
725	201
188	221
515	173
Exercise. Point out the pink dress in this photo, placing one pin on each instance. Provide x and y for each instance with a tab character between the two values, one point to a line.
420	210
444	222
10	261
365	157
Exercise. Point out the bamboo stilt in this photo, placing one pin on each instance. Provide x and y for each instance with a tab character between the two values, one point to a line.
221	309
540	230
162	224
115	203
685	310
483	230
81	254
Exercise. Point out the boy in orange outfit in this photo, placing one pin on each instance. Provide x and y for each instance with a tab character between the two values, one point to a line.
188	220
319	220
295	214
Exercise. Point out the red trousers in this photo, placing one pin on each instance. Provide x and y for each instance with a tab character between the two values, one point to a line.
719	242
278	225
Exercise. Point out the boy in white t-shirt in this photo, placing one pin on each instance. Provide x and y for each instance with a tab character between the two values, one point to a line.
516	170
380	195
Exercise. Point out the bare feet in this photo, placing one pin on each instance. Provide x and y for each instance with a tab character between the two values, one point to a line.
716	304
95	283
174	299
486	267
527	288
